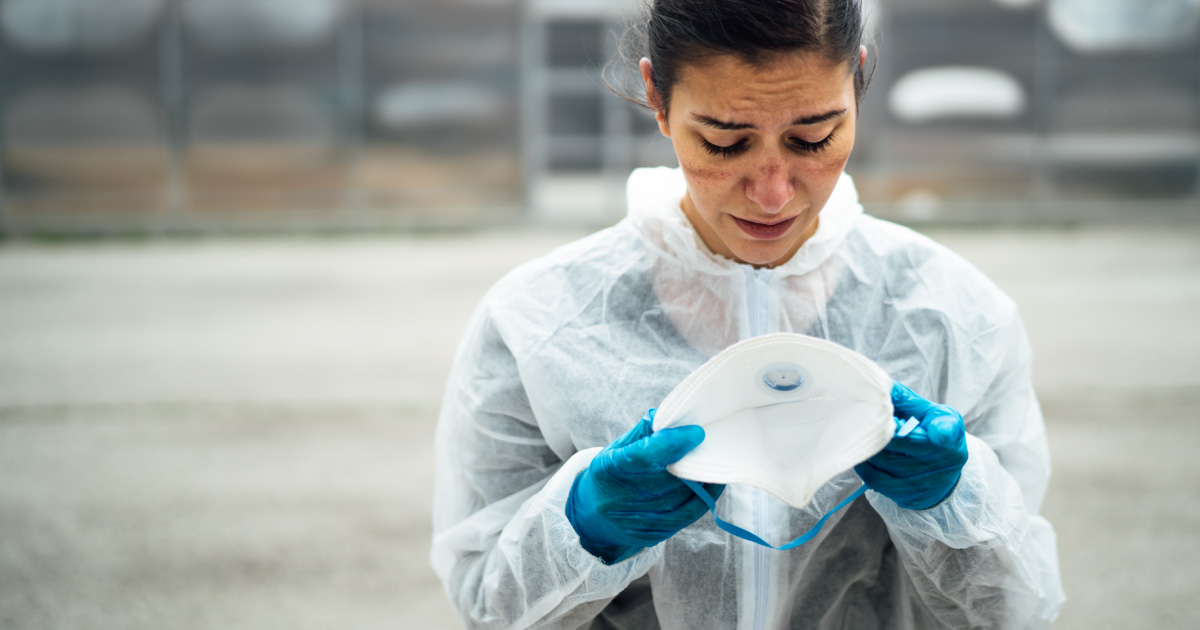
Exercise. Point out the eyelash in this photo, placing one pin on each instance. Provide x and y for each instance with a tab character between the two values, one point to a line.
740	145
813	147
729	151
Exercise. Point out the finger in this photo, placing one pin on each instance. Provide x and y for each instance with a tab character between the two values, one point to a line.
684	514
897	465
907	404
872	476
941	429
714	489
945	430
694	509
641	430
661	449
660	505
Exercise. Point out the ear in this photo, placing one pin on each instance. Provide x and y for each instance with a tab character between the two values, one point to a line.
652	97
862	56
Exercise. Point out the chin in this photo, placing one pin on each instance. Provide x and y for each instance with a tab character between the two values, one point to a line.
761	256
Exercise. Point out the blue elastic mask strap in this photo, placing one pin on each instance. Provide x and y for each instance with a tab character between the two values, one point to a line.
903	430
741	533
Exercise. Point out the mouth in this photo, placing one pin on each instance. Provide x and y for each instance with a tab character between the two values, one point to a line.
764	231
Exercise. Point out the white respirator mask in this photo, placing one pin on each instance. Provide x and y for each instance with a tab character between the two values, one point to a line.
785	413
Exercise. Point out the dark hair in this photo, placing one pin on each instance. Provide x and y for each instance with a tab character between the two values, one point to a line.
675	33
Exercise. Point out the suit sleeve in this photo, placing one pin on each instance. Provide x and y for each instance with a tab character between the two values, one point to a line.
502	545
985	558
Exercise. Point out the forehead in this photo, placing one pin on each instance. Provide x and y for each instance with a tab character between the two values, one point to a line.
782	88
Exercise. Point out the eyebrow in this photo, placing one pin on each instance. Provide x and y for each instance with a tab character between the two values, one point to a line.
724	125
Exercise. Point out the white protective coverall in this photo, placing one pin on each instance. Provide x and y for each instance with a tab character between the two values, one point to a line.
569	351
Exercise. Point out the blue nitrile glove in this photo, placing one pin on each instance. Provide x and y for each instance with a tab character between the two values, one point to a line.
625	500
920	470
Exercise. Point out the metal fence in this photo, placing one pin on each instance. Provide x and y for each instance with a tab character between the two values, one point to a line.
178	115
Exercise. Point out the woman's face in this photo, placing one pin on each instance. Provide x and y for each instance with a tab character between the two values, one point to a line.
761	147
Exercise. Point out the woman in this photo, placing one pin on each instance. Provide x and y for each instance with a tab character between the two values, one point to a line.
541	519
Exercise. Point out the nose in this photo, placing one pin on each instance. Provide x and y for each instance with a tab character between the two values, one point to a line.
771	187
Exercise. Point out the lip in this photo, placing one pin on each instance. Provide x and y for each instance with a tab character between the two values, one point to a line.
765	231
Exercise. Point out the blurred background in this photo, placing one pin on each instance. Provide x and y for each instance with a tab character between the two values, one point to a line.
309	115
241	239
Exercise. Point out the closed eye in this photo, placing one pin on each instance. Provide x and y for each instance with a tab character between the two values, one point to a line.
812	147
718	150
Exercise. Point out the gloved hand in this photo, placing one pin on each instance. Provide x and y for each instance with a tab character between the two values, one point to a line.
920	470
625	500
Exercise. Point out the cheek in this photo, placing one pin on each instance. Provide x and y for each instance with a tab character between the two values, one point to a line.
828	168
707	177
705	173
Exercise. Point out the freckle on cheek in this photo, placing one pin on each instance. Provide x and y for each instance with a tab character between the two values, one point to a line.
828	168
705	173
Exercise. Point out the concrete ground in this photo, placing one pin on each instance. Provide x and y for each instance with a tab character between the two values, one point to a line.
236	434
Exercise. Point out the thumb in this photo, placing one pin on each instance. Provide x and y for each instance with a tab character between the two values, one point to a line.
661	449
906	404
638	432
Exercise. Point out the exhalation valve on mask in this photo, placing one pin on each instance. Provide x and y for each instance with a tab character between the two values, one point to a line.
785	413
783	378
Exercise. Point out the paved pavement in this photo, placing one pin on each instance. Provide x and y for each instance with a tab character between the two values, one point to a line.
236	434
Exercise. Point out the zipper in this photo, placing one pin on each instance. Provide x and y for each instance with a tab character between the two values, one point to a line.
757	285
